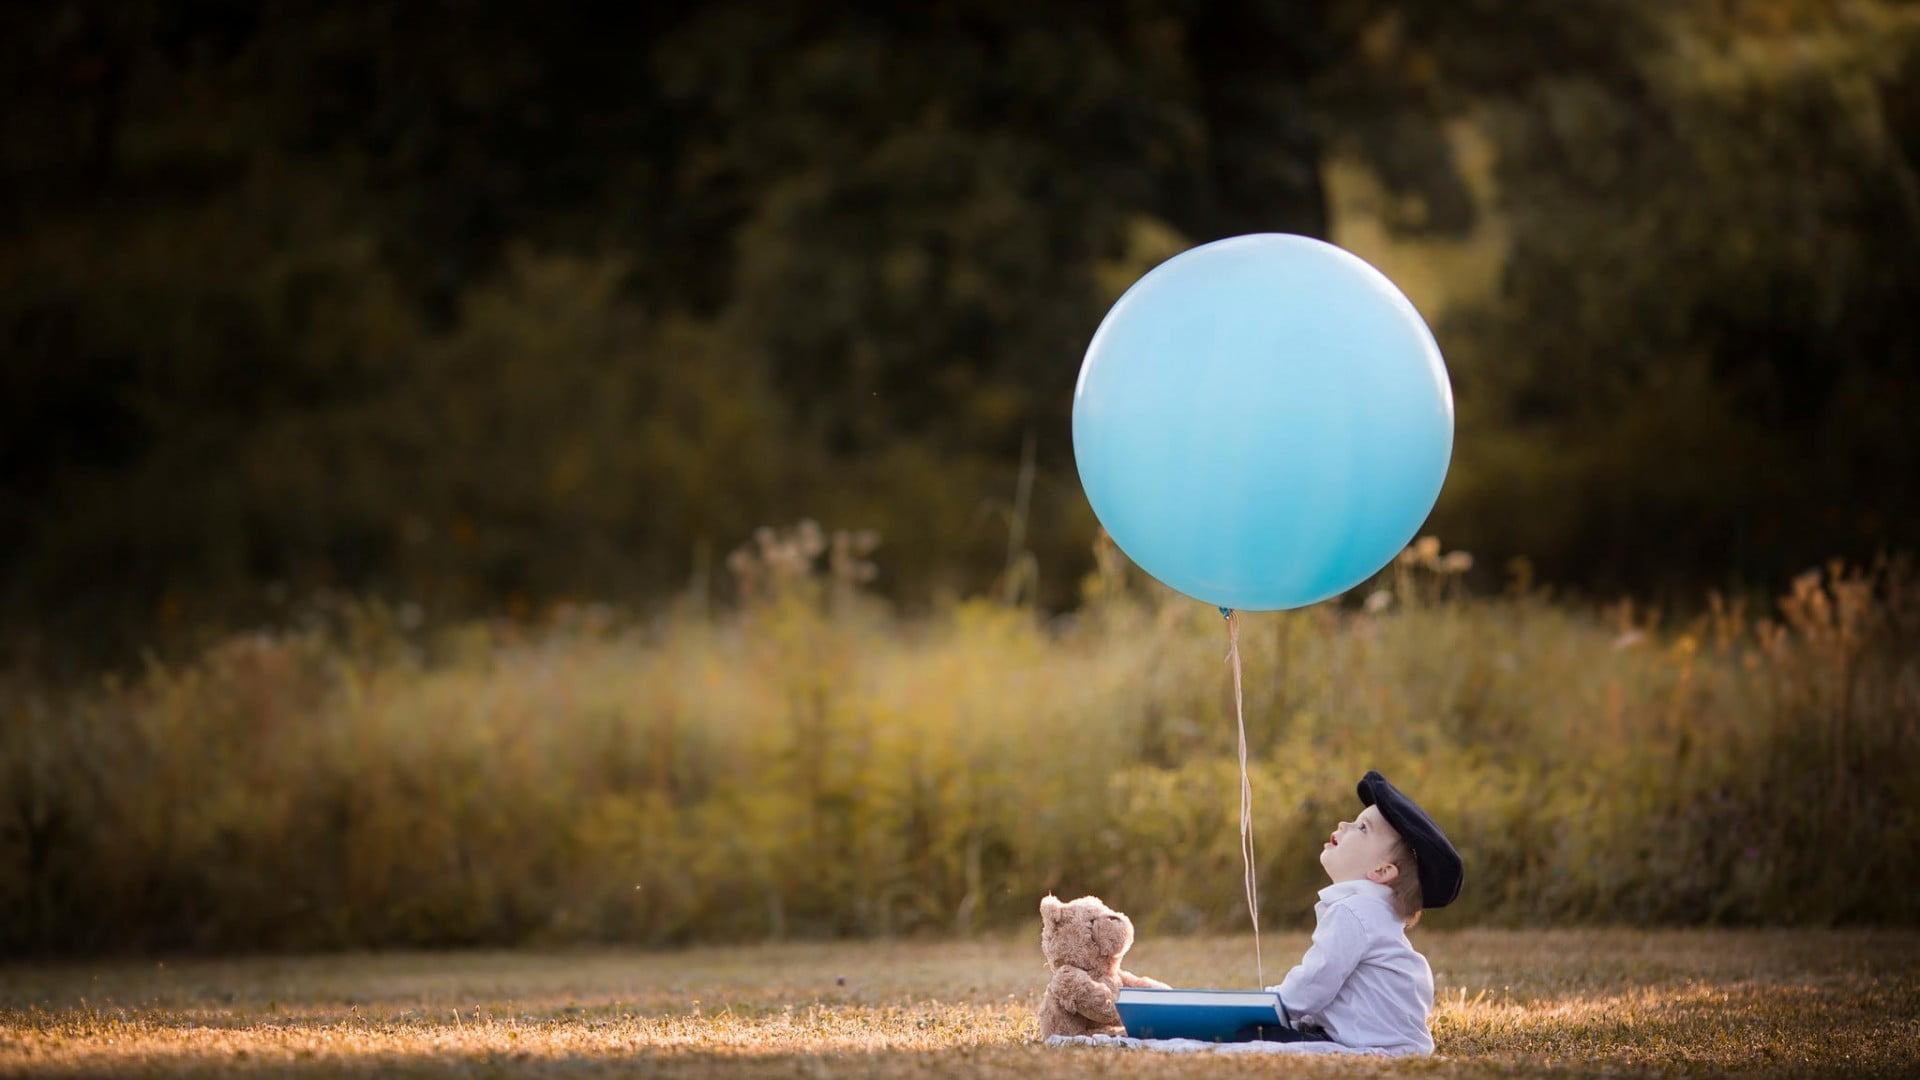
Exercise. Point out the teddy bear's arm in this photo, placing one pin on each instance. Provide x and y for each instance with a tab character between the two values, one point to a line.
1128	978
1080	994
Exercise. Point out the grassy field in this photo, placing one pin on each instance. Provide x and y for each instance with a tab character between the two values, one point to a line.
1620	1002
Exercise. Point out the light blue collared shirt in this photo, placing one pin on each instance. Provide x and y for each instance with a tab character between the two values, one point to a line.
1361	979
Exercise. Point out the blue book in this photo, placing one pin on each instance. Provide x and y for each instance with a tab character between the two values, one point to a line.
1208	1015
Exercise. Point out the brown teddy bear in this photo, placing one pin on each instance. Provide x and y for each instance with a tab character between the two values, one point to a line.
1084	941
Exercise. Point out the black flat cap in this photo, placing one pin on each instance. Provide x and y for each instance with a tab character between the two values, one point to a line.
1440	870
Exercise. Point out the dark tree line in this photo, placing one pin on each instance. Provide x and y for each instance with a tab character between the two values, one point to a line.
490	303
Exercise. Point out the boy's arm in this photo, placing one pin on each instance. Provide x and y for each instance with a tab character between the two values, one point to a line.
1128	978
1338	944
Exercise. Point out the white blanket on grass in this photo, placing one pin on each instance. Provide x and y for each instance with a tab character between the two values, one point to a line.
1195	1046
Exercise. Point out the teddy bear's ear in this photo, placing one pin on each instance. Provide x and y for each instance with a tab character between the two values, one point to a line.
1050	906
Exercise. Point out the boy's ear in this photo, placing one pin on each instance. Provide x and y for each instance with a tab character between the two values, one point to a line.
1385	874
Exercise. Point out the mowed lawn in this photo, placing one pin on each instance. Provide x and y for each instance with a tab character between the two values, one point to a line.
1619	1002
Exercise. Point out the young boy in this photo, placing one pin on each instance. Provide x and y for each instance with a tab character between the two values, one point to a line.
1362	984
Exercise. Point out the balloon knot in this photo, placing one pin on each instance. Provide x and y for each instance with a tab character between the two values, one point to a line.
1226	613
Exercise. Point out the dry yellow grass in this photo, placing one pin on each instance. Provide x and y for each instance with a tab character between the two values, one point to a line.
1621	1002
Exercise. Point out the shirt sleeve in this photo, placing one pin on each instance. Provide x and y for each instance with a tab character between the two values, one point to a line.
1339	941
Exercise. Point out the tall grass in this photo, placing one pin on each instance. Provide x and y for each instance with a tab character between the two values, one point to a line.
808	765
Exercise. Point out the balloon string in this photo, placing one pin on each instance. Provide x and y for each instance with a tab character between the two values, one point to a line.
1246	795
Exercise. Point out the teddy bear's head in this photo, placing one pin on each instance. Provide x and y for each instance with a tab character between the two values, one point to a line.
1083	933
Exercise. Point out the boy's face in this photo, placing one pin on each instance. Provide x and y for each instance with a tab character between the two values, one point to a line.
1360	849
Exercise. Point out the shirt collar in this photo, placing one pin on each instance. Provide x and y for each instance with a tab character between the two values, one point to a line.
1340	890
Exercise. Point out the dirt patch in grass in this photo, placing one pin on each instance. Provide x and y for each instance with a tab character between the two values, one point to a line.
1573	1002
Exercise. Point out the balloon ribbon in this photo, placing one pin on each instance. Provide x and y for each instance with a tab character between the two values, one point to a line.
1246	793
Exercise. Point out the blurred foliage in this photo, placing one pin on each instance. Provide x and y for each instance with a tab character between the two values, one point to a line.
483	307
1699	363
808	766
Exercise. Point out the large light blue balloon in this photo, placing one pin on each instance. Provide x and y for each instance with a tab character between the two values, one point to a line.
1263	422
